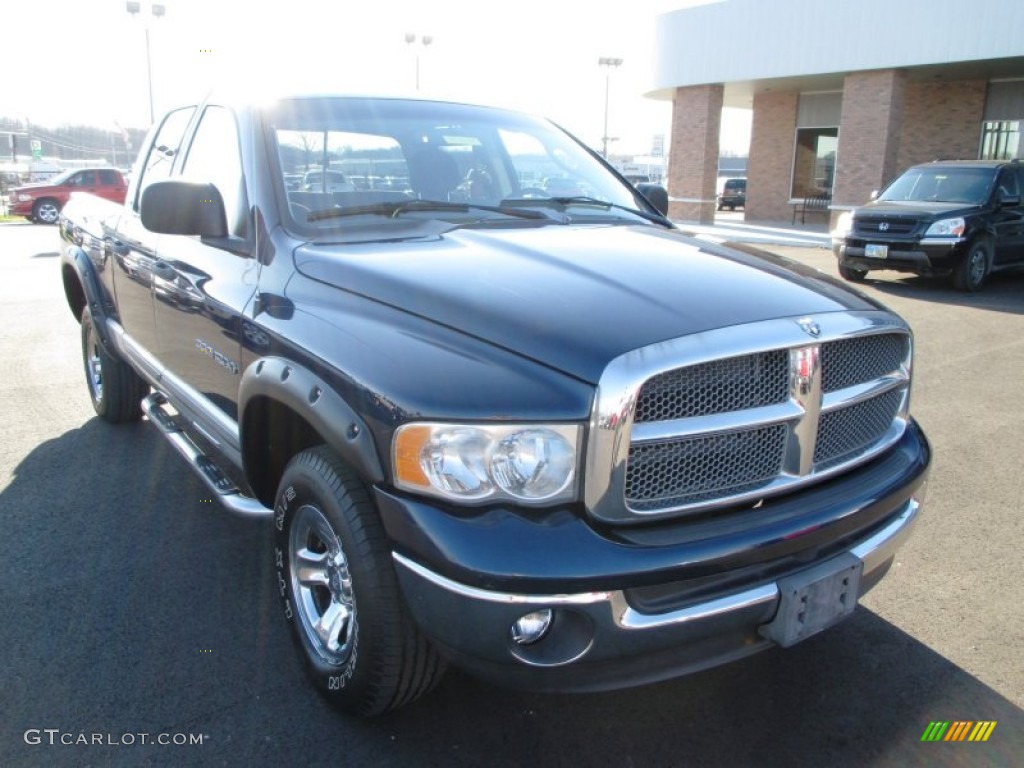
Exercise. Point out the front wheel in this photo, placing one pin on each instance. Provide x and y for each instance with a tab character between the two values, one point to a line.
340	593
46	211
851	274
971	272
115	389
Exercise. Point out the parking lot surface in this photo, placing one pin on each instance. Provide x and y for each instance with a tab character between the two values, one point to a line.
133	605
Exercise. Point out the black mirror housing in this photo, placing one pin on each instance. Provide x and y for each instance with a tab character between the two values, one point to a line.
656	195
183	208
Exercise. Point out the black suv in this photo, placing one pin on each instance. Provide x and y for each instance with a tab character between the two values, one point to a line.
734	193
960	218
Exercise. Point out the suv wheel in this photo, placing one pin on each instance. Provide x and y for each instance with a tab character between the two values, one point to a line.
851	274
340	594
971	272
46	211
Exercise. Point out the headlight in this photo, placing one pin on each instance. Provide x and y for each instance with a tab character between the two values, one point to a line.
843	225
24	198
526	463
947	227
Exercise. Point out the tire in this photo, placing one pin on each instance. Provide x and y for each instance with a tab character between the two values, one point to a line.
46	211
115	389
973	269
851	274
333	561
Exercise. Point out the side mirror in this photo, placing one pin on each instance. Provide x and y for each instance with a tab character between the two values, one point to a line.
874	195
656	195
183	208
1006	200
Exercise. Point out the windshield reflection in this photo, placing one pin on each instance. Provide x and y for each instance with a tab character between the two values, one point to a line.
338	155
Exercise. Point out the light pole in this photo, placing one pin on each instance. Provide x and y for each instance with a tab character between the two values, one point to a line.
158	10
608	63
410	38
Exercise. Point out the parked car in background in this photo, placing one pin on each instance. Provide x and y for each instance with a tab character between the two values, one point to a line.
326	181
734	193
960	218
9	179
562	186
42	203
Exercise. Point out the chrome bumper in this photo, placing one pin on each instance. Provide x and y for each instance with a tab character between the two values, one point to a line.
597	640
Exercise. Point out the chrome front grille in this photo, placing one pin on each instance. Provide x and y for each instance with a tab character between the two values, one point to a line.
847	362
674	432
716	387
845	432
679	472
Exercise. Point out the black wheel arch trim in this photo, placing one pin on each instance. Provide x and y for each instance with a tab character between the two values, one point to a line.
299	389
89	282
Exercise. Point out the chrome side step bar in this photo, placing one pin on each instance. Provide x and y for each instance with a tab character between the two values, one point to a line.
220	484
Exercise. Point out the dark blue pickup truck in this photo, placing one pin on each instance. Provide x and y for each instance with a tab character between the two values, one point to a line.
547	438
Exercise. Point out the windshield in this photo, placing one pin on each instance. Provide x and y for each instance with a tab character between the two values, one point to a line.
359	157
941	184
60	178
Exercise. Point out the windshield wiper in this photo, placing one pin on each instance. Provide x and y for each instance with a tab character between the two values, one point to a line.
583	200
396	208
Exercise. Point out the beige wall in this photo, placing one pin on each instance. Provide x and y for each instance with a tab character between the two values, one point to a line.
693	160
869	134
770	167
941	120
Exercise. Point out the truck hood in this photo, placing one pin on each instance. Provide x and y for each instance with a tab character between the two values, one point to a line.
917	209
36	188
574	297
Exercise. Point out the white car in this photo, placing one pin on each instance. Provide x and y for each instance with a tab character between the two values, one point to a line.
326	181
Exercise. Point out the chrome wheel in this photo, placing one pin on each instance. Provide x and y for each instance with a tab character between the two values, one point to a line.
47	212
322	586
94	369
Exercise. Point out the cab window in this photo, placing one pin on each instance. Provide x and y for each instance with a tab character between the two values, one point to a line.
215	157
162	151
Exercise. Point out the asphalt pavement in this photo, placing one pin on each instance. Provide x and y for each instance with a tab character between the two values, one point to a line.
135	611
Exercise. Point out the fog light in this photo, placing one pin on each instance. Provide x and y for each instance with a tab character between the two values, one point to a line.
531	627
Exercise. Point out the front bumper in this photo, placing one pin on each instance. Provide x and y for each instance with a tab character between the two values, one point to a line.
632	611
20	208
937	256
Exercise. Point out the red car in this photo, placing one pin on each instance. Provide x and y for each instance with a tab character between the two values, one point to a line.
41	203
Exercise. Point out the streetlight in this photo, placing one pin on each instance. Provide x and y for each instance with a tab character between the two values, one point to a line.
609	63
410	38
158	10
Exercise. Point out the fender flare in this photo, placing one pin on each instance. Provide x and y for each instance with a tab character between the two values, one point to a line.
301	390
85	272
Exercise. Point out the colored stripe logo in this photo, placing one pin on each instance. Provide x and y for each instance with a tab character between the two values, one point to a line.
958	730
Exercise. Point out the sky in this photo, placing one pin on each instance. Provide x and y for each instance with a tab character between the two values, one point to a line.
84	61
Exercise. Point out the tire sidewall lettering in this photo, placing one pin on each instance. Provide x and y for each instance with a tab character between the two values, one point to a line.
281	510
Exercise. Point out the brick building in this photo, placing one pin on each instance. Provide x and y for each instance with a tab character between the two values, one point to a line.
844	94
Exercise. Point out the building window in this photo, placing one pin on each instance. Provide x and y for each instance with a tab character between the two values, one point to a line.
814	162
1000	140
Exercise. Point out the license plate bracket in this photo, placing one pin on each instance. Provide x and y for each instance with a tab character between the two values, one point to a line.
875	251
815	599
